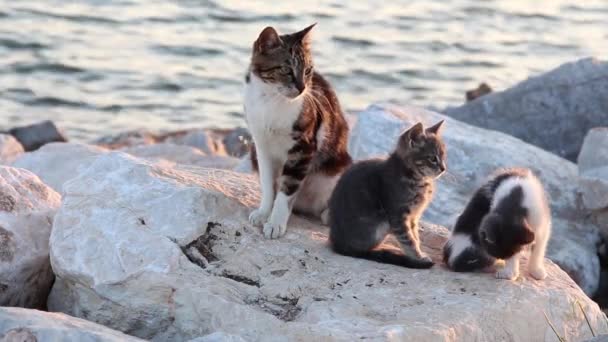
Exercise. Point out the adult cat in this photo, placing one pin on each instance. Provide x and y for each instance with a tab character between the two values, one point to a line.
299	131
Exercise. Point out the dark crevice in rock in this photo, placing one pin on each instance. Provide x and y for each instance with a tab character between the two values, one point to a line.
285	309
7	245
240	279
7	202
200	251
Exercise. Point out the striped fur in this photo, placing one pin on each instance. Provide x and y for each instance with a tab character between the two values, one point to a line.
298	127
377	197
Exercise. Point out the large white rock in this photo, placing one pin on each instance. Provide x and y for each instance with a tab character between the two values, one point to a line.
166	254
593	169
27	207
473	153
553	110
170	154
55	163
10	148
25	325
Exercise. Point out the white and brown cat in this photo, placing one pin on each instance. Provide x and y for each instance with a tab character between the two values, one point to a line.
299	131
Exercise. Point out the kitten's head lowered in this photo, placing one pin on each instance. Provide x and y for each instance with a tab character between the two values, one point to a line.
284	61
502	237
423	151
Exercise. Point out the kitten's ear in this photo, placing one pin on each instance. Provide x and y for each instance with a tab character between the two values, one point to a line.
436	129
303	36
269	39
411	135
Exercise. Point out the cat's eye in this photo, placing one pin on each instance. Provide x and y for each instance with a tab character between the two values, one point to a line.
285	70
433	160
308	71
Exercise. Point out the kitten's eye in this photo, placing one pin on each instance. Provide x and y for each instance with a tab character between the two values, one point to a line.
308	71
433	161
285	70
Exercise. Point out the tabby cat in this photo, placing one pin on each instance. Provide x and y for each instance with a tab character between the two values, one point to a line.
377	197
299	131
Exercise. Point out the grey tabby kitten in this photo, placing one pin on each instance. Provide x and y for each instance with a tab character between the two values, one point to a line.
377	197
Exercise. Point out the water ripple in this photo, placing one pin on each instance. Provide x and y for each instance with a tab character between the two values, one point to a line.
101	66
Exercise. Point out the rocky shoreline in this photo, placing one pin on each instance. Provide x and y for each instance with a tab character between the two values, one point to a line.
146	233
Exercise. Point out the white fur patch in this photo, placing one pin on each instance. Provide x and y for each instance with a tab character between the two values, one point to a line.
270	118
458	243
534	199
277	223
539	219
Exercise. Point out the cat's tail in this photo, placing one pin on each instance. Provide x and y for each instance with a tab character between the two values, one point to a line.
386	256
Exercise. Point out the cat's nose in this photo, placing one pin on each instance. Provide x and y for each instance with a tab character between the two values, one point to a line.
300	86
442	167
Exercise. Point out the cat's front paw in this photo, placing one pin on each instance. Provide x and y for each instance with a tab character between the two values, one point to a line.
538	273
325	217
426	258
274	230
507	273
258	217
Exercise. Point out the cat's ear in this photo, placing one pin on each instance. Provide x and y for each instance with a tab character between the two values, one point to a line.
269	39
436	129
412	135
526	235
303	36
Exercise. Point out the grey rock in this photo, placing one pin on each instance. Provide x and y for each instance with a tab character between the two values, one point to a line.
27	208
32	137
10	149
55	163
237	141
24	325
593	169
553	110
599	338
473	153
168	255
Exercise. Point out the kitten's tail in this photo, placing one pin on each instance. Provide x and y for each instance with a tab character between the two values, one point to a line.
388	257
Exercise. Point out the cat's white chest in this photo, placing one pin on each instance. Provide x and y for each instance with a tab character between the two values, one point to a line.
270	116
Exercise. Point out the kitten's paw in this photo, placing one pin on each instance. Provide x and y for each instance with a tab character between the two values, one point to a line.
507	273
538	273
426	258
258	217
325	217
274	230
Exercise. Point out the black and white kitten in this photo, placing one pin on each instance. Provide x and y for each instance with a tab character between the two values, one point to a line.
507	213
377	197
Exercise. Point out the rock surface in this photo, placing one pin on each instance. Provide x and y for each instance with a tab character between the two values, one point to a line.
220	142
165	254
27	207
24	325
171	154
10	148
473	153
55	163
553	111
593	169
